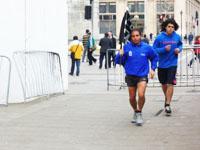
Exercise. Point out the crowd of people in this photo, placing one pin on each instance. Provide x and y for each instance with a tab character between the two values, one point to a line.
88	46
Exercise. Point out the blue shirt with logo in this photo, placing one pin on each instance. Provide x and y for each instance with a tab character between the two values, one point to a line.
167	59
136	59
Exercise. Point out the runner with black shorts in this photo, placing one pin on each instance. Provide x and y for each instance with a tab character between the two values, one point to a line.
168	45
135	58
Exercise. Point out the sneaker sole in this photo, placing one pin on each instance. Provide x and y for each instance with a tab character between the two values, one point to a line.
168	114
139	124
133	121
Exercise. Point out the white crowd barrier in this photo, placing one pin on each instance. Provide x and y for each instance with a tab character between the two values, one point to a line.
187	76
39	72
5	71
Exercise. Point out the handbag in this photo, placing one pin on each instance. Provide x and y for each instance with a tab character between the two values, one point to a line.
73	53
94	48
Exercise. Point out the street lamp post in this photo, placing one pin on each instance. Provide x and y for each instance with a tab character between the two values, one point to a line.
92	16
181	13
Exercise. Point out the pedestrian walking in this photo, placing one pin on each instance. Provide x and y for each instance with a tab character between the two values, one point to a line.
151	36
190	38
76	49
135	58
196	51
168	45
111	54
145	39
185	38
84	41
91	46
105	44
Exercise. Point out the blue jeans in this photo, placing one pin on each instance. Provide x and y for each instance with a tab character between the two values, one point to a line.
77	62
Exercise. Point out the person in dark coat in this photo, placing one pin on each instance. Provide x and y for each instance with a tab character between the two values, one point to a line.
111	54
105	44
145	39
190	38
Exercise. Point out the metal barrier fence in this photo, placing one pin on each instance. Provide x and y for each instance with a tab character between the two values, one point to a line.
187	76
5	70
39	72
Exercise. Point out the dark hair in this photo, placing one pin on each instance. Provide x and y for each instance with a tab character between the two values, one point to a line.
87	30
166	22
137	30
75	37
106	34
133	30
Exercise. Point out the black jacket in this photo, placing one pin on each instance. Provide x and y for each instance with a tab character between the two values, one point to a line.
105	44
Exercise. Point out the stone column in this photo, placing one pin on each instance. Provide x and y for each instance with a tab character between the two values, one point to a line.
150	25
95	19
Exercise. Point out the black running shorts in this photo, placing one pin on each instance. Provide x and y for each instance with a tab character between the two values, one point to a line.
132	81
167	75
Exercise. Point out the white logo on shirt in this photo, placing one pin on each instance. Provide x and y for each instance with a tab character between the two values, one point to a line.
142	54
130	53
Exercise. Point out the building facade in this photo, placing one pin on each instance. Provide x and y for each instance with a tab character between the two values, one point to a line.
147	15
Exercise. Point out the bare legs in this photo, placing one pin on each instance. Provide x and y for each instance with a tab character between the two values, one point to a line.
168	90
141	88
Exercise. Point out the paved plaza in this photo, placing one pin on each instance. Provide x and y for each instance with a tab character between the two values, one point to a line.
88	117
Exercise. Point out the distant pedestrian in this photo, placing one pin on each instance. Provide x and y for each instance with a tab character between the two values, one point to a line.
91	46
85	40
145	39
185	38
190	38
111	54
151	36
76	49
105	44
196	50
168	45
135	58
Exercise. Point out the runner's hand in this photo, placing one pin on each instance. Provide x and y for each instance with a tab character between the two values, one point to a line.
176	51
167	48
152	73
121	52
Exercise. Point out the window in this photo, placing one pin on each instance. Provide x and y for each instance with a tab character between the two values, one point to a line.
136	9
112	8
165	6
137	6
107	7
106	26
165	10
107	17
102	8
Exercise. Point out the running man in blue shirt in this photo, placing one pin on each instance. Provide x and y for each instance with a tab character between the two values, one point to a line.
168	45
135	58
